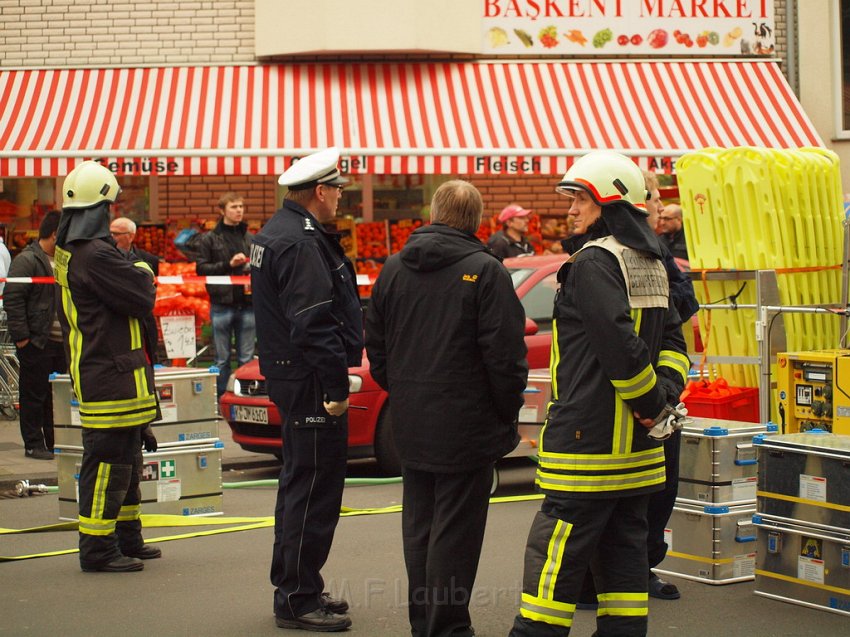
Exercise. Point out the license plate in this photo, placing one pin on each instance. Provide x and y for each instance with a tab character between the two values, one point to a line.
245	413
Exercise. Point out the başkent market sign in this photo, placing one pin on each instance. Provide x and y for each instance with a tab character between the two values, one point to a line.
629	27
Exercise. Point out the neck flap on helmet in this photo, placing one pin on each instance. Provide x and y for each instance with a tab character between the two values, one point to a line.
83	223
630	228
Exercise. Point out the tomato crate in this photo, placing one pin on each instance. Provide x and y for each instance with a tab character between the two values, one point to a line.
741	404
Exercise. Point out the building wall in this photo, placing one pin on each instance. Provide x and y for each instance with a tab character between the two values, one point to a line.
820	75
57	33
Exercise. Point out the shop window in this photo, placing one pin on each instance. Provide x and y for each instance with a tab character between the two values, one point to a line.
23	204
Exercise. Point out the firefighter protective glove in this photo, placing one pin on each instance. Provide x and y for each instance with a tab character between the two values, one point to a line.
148	439
670	420
336	407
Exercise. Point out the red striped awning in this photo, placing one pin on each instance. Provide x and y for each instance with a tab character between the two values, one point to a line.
396	118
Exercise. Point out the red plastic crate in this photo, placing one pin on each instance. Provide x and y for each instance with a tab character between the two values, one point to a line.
742	404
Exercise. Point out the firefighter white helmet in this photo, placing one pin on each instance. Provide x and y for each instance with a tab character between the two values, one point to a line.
89	184
608	177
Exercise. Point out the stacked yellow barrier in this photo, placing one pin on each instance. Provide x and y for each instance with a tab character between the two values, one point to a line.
757	208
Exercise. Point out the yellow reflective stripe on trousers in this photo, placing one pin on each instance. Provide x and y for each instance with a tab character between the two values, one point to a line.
543	607
676	361
547	611
623	604
129	512
92	526
554	555
96	525
637	385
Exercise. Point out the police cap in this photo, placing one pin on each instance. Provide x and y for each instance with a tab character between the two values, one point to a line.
312	170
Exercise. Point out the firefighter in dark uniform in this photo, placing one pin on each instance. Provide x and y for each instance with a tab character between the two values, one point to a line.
105	298
618	364
310	331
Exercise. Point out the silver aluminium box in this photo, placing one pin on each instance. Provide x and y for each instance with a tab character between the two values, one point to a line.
178	481
804	478
710	544
803	565
187	400
718	462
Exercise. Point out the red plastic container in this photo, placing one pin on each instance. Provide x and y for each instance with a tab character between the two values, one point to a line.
722	403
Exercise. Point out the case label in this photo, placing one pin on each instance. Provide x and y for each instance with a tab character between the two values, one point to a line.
813	488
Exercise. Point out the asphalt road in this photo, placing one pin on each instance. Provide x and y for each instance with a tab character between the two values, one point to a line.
217	585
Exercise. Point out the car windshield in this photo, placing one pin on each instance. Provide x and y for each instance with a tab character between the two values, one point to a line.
518	275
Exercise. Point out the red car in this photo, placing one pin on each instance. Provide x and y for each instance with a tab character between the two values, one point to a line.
255	420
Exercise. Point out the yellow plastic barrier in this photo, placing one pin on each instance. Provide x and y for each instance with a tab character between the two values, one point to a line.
757	208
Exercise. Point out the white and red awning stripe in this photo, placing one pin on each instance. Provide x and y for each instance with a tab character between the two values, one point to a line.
390	118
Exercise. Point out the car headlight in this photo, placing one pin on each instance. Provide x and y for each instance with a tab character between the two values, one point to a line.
233	385
354	384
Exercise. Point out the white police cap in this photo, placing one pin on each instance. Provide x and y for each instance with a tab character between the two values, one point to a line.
312	170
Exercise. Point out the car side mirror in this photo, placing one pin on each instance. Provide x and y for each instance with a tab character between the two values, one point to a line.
530	327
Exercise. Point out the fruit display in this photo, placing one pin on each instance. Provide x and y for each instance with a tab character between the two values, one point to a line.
184	299
371	240
370	268
152	238
400	231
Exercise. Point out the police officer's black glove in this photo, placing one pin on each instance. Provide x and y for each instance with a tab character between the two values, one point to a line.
148	439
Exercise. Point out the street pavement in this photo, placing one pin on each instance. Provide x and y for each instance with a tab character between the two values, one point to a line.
217	584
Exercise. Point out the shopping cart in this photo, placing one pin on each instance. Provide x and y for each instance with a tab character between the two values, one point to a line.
10	371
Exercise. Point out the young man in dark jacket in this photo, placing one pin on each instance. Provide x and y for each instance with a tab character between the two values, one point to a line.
34	329
445	337
224	251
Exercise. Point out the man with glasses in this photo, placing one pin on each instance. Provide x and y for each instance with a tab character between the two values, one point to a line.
123	231
224	251
310	331
672	232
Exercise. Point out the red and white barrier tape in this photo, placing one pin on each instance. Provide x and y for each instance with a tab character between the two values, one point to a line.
362	279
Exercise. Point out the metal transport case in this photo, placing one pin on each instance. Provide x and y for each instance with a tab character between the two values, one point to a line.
717	461
187	400
178	481
710	544
804	478
803	565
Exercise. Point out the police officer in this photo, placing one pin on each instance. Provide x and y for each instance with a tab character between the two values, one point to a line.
619	362
310	331
105	299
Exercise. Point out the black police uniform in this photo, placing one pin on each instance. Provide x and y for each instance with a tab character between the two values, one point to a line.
309	332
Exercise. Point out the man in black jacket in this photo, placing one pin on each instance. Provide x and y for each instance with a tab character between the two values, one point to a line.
224	251
123	231
445	338
310	330
34	328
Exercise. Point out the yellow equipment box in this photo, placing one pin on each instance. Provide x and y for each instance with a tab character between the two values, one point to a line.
814	390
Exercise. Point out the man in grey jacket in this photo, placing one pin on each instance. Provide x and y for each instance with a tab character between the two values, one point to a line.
34	328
